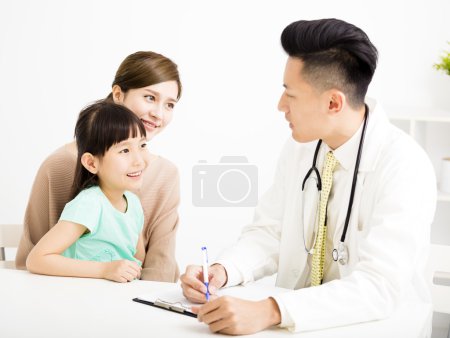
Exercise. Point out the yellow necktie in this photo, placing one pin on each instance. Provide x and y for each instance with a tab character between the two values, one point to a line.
318	258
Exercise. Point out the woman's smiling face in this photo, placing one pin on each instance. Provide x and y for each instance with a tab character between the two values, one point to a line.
152	104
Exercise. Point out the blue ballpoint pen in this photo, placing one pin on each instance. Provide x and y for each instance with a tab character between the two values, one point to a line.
205	271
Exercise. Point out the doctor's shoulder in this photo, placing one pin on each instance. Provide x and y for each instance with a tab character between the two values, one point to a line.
401	154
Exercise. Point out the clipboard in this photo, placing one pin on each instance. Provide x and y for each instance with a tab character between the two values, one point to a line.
170	299
178	307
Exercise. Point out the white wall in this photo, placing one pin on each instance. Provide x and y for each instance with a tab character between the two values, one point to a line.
56	56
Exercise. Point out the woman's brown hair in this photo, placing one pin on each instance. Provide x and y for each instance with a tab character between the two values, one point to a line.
142	69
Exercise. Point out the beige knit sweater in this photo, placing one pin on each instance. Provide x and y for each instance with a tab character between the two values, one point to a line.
159	196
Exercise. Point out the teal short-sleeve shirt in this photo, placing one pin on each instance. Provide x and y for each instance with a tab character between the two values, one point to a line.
113	235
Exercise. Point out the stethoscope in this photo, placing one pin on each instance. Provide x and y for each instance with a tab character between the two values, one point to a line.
340	254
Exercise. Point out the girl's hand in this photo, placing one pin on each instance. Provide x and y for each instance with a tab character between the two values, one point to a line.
122	271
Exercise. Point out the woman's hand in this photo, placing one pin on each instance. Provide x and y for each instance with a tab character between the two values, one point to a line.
121	271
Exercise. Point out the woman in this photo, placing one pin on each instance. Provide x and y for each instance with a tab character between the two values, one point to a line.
149	85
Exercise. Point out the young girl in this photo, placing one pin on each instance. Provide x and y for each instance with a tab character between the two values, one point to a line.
99	233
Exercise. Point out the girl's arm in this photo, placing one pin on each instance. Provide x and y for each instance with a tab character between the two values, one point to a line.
46	258
140	249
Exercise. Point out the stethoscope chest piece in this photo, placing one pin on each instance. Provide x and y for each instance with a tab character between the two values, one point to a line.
341	254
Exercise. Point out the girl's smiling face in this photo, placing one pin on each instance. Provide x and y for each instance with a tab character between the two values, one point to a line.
122	165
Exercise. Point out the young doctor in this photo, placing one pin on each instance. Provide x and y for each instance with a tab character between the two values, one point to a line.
346	223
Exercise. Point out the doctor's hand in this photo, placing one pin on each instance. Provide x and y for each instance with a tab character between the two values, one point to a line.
192	282
234	316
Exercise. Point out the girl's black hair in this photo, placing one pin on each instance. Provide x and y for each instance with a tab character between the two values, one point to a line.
100	126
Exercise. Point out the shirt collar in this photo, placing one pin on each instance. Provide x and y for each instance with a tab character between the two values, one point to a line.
346	153
378	127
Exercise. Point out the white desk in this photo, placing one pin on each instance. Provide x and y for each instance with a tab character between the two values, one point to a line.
43	306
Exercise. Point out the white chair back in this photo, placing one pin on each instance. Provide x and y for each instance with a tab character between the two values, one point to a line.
440	266
9	238
438	270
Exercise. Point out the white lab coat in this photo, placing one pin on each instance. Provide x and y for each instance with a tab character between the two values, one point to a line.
388	236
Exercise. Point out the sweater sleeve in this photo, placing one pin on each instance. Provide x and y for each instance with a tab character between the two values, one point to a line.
161	226
36	213
50	192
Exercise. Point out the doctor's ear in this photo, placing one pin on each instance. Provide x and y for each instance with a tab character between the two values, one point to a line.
90	162
337	101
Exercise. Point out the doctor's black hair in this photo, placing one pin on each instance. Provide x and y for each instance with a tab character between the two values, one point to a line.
335	54
100	126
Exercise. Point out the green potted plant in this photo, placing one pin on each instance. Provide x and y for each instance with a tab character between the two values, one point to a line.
444	65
